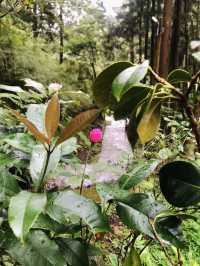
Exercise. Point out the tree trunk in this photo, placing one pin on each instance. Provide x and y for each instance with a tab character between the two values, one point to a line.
61	33
140	31
35	19
176	35
146	45
153	33
166	37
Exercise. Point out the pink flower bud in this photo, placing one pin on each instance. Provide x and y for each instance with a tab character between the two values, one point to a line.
96	135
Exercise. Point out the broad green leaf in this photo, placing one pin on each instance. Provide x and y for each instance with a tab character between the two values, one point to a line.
180	183
77	124
150	123
141	171
52	116
35	85
128	78
74	252
38	160
132	258
178	76
69	146
103	83
24	209
144	203
21	141
84	208
133	219
194	45
8	187
23	254
130	100
46	247
113	260
31	127
108	192
169	230
36	114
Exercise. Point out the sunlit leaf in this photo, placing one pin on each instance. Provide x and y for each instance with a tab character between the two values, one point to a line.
132	258
77	124
52	116
23	211
150	123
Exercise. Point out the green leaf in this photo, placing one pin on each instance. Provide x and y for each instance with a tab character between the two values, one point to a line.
196	56
130	100
103	83
21	141
128	78
38	160
24	254
10	88
24	209
150	123
169	230
74	252
133	258
134	219
178	76
6	159
46	247
141	171
8	187
84	208
144	203
108	192
180	183
68	146
36	114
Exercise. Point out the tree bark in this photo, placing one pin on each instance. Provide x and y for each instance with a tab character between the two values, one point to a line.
146	45
166	38
61	33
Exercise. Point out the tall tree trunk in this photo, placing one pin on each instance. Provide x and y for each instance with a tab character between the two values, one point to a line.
140	31
153	33
176	35
166	37
61	33
186	33
146	45
131	49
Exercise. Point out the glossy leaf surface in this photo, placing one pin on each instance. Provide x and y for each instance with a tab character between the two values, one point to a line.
24	209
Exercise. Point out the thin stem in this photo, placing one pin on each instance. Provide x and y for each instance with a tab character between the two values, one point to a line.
160	242
147	244
192	82
83	175
45	170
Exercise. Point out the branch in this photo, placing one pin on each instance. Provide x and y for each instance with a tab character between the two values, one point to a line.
193	82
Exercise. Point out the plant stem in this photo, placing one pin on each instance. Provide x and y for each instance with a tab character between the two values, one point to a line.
45	170
147	244
83	175
160	242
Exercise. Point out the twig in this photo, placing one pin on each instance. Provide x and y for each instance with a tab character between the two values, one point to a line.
147	244
160	242
192	83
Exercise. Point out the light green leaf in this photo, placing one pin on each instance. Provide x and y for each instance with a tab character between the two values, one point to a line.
36	114
129	78
24	209
38	160
84	208
133	258
68	146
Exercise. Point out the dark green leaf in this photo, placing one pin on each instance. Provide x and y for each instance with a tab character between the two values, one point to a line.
134	219
130	100
24	209
179	75
180	183
103	83
128	78
74	252
84	208
46	247
138	174
8	187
